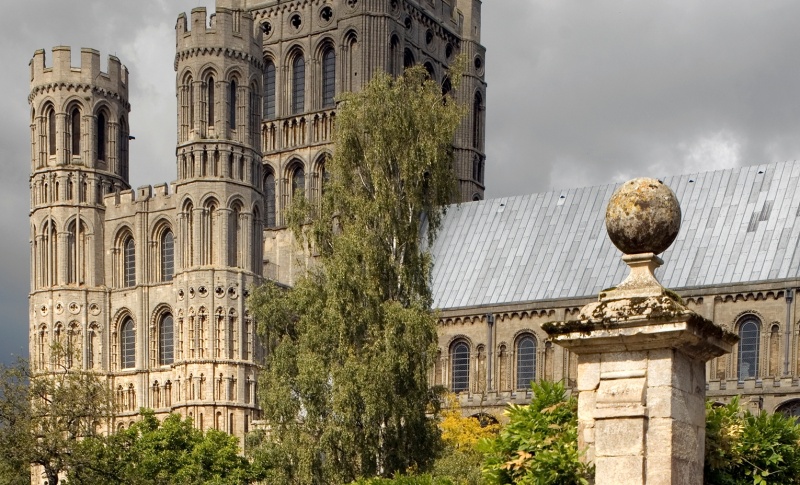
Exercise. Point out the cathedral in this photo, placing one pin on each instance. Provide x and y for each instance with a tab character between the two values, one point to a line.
148	286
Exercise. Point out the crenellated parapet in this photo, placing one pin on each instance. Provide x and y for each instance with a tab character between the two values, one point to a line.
85	78
227	33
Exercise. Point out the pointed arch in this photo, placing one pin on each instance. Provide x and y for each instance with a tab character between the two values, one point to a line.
298	94
74	112
269	89
269	197
328	76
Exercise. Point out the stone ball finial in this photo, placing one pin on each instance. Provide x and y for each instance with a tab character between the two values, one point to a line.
643	216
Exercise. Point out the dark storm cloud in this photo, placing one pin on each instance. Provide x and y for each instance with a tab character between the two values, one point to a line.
580	93
141	34
609	90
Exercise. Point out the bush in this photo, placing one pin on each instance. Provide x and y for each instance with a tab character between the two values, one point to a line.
747	448
539	445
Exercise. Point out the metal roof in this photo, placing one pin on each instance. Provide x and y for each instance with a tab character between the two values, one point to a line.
739	225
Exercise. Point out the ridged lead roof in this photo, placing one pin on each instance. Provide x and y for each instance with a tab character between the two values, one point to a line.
739	225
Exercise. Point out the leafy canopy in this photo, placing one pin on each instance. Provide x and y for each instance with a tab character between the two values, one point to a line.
746	448
345	387
45	415
539	445
150	452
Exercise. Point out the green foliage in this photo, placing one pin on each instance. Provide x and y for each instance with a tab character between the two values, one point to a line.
43	417
539	445
746	448
345	386
168	452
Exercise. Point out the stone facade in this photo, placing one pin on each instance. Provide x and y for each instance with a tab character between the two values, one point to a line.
148	286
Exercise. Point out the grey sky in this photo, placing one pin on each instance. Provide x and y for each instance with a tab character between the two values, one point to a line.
580	93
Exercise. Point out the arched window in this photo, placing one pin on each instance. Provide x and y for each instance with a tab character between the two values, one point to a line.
298	85
234	231
477	122
211	232
51	131
790	408
460	366
394	61
166	340
210	106
328	77
298	181
188	234
748	348
75	128
122	147
76	253
324	178
127	344
256	242
128	262
232	104
526	361
101	136
269	90
431	71
167	255
408	59
269	196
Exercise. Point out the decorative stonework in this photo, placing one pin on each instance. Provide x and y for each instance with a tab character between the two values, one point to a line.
641	355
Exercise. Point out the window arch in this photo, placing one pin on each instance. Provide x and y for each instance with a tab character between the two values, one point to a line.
76	252
477	122
298	84
122	147
102	122
408	59
394	55
166	340
269	197
431	71
167	247
210	118
526	361
75	131
187	249
128	262
232	100
127	344
256	242
51	130
328	77
269	89
460	366
790	408
234	236
749	336
298	180
211	231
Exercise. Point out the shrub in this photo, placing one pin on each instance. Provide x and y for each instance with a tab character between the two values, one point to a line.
539	445
747	448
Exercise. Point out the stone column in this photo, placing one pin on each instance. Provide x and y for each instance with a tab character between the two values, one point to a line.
641	355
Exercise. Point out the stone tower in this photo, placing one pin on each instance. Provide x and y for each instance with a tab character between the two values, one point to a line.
219	209
313	51
79	153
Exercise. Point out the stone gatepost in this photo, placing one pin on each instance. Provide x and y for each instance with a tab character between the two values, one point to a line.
641	355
